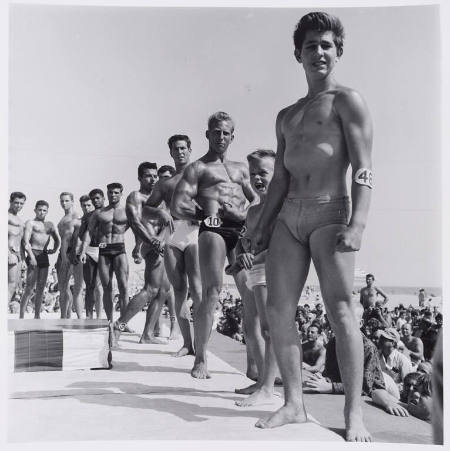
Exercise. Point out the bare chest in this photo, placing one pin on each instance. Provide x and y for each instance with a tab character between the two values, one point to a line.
114	216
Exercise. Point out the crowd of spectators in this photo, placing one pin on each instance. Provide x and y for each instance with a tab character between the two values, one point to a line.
398	350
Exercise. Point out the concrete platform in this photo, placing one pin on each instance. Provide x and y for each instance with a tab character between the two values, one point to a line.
147	390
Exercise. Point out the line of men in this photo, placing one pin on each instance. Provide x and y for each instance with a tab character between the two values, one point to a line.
305	216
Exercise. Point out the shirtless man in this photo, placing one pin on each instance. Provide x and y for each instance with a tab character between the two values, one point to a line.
109	225
213	190
64	266
318	138
313	351
90	275
368	294
149	231
36	239
181	251
15	235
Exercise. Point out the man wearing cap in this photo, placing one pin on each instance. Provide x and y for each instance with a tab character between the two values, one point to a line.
393	362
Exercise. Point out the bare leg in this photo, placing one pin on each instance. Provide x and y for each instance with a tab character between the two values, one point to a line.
176	272
120	264
32	273
63	272
170	301
252	326
90	280
287	267
77	271
98	293
264	392
153	314
42	274
13	277
105	272
212	253
336	272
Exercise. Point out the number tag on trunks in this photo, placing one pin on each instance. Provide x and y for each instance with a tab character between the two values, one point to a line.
102	245
212	221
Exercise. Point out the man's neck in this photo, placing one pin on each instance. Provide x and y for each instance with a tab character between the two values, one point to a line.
214	156
316	86
68	212
179	168
38	219
11	211
145	191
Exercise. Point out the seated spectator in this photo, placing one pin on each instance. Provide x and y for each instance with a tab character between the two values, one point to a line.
428	334
425	367
313	350
419	399
413	346
373	378
376	312
393	362
401	320
409	385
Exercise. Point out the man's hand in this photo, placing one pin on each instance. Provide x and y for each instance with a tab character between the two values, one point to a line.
319	384
50	251
245	260
82	258
33	261
165	219
349	240
397	410
136	254
229	211
259	241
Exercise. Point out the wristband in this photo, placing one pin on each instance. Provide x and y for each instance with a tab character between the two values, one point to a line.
364	176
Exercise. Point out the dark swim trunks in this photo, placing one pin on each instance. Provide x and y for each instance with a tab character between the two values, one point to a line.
41	258
230	231
111	250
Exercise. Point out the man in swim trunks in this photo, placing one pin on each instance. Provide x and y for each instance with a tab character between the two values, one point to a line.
15	235
149	235
318	138
369	294
36	239
108	225
89	270
181	251
213	190
64	266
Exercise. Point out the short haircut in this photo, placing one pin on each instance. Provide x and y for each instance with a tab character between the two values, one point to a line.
317	325
220	116
175	138
84	198
96	191
41	202
319	21
438	316
17	195
146	165
370	275
166	168
114	185
259	154
66	193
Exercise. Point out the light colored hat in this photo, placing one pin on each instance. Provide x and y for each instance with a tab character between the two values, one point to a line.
391	334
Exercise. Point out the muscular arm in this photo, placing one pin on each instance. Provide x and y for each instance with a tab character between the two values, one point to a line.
383	294
26	238
56	239
279	184
133	209
357	128
182	205
417	349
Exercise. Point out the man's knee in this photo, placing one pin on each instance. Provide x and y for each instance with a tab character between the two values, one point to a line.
212	292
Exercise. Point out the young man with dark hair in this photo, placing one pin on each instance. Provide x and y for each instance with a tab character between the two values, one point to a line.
149	236
368	295
109	225
308	209
181	251
36	239
15	235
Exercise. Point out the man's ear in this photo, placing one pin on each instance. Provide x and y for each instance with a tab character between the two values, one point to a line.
297	54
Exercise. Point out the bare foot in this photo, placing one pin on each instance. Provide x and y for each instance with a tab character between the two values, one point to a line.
258	398
183	351
285	415
174	335
200	371
129	330
355	431
145	339
247	390
115	335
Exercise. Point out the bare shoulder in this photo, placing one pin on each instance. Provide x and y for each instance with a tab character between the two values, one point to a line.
49	225
133	197
348	100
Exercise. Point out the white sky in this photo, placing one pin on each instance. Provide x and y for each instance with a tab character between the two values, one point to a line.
94	91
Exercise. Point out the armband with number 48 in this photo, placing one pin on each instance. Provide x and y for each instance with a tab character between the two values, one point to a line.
364	176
